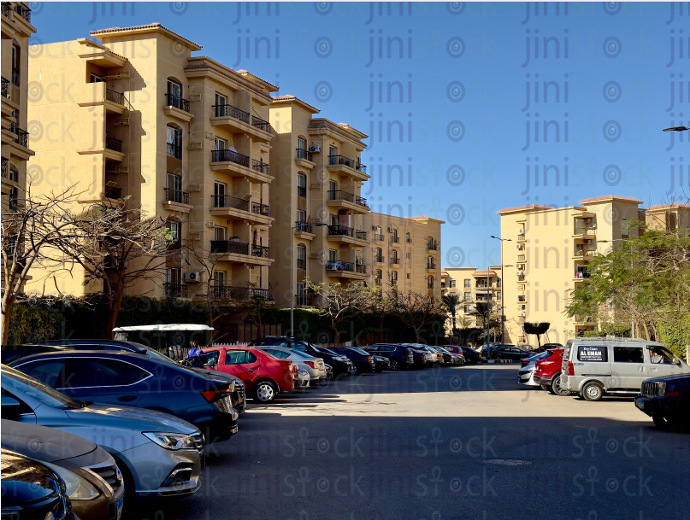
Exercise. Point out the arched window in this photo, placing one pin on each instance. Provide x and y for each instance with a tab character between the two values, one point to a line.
301	256
302	184
174	141
378	277
379	255
174	96
430	282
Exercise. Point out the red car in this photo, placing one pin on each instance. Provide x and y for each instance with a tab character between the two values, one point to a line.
547	372
263	375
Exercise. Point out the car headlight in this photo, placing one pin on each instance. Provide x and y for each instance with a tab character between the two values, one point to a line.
171	441
661	388
76	487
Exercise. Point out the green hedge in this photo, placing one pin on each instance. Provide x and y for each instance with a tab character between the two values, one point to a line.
31	324
676	335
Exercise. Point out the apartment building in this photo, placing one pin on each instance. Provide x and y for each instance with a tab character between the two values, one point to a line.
319	233
404	253
182	136
474	286
16	151
546	257
668	217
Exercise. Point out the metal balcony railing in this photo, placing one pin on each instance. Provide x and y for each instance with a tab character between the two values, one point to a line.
378	258
361	268
432	246
23	11
5	167
174	150
379	238
303	227
260	166
175	290
395	239
336	230
361	235
341	159
229	156
111	192
301	192
378	281
395	261
339	265
260	209
230	111
346	196
260	251
230	201
431	265
5	88
177	102
22	138
228	292
112	143
6	9
304	154
259	123
114	96
174	195
229	246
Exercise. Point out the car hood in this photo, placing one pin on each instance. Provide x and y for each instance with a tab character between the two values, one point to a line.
125	417
684	376
46	444
217	374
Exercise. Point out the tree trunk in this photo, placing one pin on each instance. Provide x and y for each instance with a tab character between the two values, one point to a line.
7	305
113	311
334	326
416	334
381	328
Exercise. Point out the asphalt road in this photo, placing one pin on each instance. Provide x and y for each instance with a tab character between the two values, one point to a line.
450	443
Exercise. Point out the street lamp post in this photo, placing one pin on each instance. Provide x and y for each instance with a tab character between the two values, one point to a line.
503	290
292	278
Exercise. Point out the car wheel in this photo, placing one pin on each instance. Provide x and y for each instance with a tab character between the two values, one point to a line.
355	370
265	391
557	388
592	391
546	388
395	365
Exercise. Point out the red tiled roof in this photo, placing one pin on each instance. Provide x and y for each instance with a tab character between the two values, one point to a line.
531	207
484	273
669	206
195	46
289	97
609	197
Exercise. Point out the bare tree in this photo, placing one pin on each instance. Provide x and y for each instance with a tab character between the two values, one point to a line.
337	301
416	310
32	228
536	329
381	304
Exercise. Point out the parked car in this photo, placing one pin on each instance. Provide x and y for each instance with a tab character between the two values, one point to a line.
92	479
262	374
399	355
431	358
449	358
315	367
381	363
458	358
526	372
118	377
420	356
509	352
472	357
159	455
302	378
31	490
11	353
238	396
547	372
666	400
362	360
594	367
340	364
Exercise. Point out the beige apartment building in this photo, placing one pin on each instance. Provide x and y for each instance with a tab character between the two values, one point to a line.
547	257
668	217
186	138
473	286
16	151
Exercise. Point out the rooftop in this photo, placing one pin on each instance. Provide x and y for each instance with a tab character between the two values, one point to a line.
153	27
609	198
668	206
288	98
522	209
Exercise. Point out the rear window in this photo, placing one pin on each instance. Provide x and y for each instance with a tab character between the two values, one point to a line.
238	357
592	353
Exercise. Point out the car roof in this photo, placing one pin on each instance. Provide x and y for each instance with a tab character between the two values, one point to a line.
86	353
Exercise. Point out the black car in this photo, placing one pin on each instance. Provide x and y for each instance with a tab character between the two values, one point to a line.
382	363
472	357
31	491
339	363
400	357
666	400
124	378
239	398
509	352
361	359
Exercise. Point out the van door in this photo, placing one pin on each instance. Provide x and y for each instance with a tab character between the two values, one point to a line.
628	368
661	362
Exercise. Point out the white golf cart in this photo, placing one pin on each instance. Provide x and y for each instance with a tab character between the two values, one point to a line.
171	339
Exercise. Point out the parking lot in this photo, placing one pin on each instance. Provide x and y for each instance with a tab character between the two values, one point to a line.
438	444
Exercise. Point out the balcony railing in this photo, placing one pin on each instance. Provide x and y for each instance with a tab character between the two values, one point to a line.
260	209
228	292
15	77
113	144
6	9
408	240
432	246
175	290
378	281
302	227
230	111
361	235
229	246
522	298
378	258
587	251
521	277
379	238
112	192
22	138
361	268
346	196
5	167
521	258
395	239
303	299
260	251
5	88
229	156
23	11
336	230
174	150
259	123
584	230
179	196
230	201
339	265
341	159
260	166
395	261
431	265
301	263
430	285
302	192
177	102
582	274
114	96
304	154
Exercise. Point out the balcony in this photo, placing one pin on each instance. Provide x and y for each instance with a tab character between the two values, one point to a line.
340	269
521	236
582	231
236	208
230	202
177	107
347	235
231	112
304	154
5	168
230	156
112	192
23	11
584	253
5	88
236	120
111	143
260	166
228	292
395	239
97	94
175	290
582	276
378	259
521	277
379	238
6	9
521	258
303	227
236	251
346	200
259	123
432	245
522	298
21	136
114	96
176	200
395	262
235	164
431	266
346	166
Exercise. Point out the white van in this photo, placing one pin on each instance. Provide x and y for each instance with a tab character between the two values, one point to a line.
594	367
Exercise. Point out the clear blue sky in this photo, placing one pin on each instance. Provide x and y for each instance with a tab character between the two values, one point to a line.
454	82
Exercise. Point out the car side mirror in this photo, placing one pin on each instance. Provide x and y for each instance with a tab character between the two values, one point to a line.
676	361
10	407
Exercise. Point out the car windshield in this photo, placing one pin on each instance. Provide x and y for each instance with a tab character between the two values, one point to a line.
15	382
359	351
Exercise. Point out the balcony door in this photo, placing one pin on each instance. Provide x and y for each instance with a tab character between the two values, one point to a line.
174	90
174	142
221	144
219	233
219	194
173	276
174	187
301	144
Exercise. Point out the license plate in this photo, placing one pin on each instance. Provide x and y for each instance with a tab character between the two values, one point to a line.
119	507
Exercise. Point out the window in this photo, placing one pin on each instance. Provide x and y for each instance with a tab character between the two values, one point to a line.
301	256
332	187
219	194
174	90
453	283
219	278
378	276
301	143
468	309
408	256
221	144
332	150
49	372
408	237
219	233
15	65
239	357
468	297
302	294
628	355
221	100
173	276
174	187
332	255
394	277
301	185
661	356
467	282
95	78
95	372
301	215
175	230
408	276
174	142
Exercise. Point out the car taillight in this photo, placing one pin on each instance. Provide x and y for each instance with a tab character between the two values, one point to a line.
293	368
369	359
571	368
215	395
310	363
671	394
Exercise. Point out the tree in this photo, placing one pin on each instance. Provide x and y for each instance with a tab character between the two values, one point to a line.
451	301
416	310
118	247
485	310
257	301
536	329
381	304
32	228
337	302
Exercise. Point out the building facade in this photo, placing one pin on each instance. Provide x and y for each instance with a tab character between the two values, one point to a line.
474	286
547	257
668	217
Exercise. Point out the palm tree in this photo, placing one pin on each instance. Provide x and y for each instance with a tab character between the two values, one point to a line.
451	301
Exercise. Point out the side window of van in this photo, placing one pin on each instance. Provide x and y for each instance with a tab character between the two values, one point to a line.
628	355
592	353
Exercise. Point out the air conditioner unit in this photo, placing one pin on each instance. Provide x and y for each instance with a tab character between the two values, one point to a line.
521	231
390	229
209	224
192	277
315	148
521	247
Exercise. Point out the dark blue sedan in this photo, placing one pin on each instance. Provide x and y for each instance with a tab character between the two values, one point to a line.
124	378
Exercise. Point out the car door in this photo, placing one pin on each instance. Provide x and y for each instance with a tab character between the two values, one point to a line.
665	364
243	364
628	368
105	380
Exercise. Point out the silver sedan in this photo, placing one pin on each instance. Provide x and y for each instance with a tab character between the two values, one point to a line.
314	366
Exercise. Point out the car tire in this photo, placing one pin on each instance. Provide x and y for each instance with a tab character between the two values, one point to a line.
546	388
265	391
556	386
593	391
355	370
395	365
